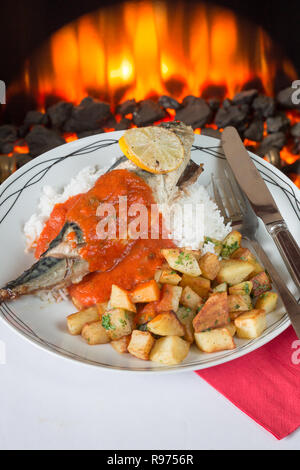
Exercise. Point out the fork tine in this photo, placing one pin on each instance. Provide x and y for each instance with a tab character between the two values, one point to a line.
236	192
234	195
218	200
230	208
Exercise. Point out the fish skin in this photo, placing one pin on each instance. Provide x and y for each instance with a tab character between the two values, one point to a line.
61	265
60	247
45	274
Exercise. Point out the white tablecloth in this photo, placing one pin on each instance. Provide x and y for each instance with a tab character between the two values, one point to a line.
47	402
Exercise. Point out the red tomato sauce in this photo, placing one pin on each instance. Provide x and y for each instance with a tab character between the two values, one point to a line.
54	225
111	261
103	255
140	265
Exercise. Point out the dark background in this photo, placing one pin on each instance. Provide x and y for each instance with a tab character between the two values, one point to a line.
25	24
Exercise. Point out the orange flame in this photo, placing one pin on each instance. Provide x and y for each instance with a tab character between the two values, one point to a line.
135	50
288	156
296	179
70	136
21	148
144	49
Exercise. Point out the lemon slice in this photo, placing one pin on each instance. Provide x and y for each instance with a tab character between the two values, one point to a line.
153	149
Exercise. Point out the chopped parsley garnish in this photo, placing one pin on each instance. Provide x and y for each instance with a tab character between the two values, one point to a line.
184	258
237	306
247	289
229	249
106	322
123	322
180	258
186	314
210	240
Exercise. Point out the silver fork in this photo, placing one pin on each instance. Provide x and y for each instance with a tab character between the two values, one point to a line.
235	209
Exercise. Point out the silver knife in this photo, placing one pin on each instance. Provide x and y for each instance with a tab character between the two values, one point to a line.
261	200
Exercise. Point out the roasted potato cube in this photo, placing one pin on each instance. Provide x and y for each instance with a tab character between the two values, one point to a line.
117	322
76	321
94	333
146	313
120	298
170	296
267	301
220	288
170	350
250	325
234	315
245	255
141	344
190	299
215	340
77	303
102	307
261	283
166	324
218	244
121	345
169	277
213	314
234	271
195	253
209	265
200	285
186	316
146	292
243	288
157	275
231	243
183	261
258	268
239	303
231	328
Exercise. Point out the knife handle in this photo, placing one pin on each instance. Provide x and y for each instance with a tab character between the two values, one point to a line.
288	248
289	301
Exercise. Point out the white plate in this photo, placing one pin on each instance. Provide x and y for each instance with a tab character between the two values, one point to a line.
44	324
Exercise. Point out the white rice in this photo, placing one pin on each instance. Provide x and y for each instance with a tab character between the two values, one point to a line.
211	222
214	226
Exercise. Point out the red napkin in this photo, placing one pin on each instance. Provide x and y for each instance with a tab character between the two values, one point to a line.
264	384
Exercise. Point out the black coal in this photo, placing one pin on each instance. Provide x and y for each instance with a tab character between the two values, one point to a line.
257	117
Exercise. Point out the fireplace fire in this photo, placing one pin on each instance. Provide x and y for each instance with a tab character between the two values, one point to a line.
139	63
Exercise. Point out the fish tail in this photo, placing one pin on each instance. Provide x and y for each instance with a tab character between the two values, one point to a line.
6	294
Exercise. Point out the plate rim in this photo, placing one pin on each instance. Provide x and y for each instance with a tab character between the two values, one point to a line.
249	347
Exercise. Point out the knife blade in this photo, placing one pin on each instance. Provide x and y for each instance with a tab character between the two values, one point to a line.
261	200
249	178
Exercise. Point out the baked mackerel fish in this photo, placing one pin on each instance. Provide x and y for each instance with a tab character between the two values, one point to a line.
61	265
